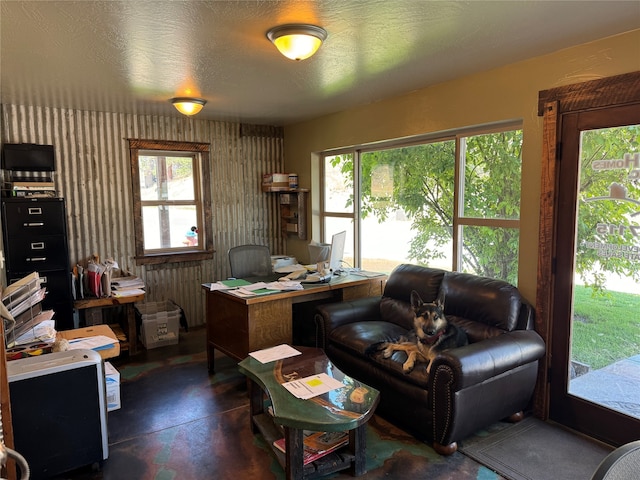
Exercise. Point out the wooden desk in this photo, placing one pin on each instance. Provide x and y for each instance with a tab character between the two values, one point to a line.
127	302
237	326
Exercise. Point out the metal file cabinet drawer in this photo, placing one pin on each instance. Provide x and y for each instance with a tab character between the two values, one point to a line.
46	252
26	218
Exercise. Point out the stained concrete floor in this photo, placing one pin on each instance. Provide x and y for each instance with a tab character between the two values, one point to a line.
179	422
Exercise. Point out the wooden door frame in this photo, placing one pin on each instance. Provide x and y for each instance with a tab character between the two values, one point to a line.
613	91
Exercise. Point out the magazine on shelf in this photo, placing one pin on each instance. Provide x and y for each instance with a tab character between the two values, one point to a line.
317	444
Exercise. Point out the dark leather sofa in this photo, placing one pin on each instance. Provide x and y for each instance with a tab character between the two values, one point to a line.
468	388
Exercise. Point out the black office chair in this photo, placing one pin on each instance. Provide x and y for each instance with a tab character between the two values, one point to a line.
621	464
250	261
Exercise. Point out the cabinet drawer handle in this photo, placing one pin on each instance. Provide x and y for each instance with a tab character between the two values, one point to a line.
35	211
37	259
37	246
33	224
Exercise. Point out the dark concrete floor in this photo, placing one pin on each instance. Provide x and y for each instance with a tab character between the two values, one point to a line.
179	422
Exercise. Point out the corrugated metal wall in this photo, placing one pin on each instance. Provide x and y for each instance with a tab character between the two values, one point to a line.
93	175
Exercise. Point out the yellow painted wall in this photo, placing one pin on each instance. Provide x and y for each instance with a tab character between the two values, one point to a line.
509	92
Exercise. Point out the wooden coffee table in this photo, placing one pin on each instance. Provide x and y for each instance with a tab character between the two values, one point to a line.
344	409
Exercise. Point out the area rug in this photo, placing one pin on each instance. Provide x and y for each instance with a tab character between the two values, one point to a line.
536	450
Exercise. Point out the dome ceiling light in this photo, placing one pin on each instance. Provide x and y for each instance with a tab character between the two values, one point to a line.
297	41
188	105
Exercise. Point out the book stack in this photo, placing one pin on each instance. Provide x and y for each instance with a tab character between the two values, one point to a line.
317	444
33	189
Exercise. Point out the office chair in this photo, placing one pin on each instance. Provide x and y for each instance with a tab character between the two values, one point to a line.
621	464
250	261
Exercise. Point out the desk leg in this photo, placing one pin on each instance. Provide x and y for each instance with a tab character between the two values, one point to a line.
294	447
131	329
358	447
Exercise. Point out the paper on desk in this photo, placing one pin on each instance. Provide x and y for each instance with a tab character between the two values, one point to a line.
285	285
98	342
312	386
229	284
274	353
289	268
364	273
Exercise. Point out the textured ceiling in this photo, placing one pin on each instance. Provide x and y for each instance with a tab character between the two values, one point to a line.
132	56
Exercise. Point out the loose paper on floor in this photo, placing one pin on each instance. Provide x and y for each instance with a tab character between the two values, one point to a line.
312	386
275	353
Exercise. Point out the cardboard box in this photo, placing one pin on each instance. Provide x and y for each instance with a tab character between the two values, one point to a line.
112	381
92	331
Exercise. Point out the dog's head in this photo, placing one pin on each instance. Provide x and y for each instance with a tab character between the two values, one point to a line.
430	322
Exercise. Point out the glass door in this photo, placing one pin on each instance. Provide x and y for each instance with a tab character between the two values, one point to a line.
595	366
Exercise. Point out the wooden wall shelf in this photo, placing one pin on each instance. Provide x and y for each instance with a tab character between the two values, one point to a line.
293	211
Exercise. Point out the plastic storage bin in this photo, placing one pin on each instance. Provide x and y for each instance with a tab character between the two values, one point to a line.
160	323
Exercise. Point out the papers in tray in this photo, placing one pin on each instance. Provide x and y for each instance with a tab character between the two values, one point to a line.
312	386
274	353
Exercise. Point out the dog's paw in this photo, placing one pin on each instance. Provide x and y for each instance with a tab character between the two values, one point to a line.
388	351
407	367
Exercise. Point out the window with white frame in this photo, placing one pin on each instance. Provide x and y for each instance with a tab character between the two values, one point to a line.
171	200
450	202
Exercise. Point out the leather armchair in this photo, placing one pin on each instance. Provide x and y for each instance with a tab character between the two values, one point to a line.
467	388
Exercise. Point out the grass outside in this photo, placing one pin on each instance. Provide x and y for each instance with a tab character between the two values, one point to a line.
606	328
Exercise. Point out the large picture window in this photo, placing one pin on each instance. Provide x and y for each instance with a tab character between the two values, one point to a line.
171	200
449	202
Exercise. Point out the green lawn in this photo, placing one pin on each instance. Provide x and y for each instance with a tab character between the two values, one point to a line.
605	328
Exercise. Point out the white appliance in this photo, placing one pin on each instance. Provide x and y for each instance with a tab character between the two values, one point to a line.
58	411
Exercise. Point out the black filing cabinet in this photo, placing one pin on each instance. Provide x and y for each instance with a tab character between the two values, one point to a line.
35	240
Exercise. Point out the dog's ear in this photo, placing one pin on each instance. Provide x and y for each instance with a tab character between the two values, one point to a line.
416	301
440	300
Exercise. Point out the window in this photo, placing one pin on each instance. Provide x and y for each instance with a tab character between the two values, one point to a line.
450	202
172	208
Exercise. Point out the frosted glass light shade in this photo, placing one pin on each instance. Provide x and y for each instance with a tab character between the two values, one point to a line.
187	105
297	42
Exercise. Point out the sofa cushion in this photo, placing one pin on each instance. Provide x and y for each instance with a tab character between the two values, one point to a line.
476	331
357	337
486	300
404	278
395	305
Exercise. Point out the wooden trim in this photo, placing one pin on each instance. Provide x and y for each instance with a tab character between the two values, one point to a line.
552	105
604	92
141	144
545	252
135	145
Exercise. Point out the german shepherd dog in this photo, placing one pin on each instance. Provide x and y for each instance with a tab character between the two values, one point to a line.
432	333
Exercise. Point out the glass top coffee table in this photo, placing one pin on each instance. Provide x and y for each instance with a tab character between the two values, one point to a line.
344	409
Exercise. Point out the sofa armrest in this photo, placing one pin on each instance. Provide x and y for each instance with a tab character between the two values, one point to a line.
477	362
332	315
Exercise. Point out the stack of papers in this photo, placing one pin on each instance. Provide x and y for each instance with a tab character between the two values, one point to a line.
312	386
127	286
98	342
242	288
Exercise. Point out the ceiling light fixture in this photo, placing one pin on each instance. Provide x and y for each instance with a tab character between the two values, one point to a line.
188	105
297	41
